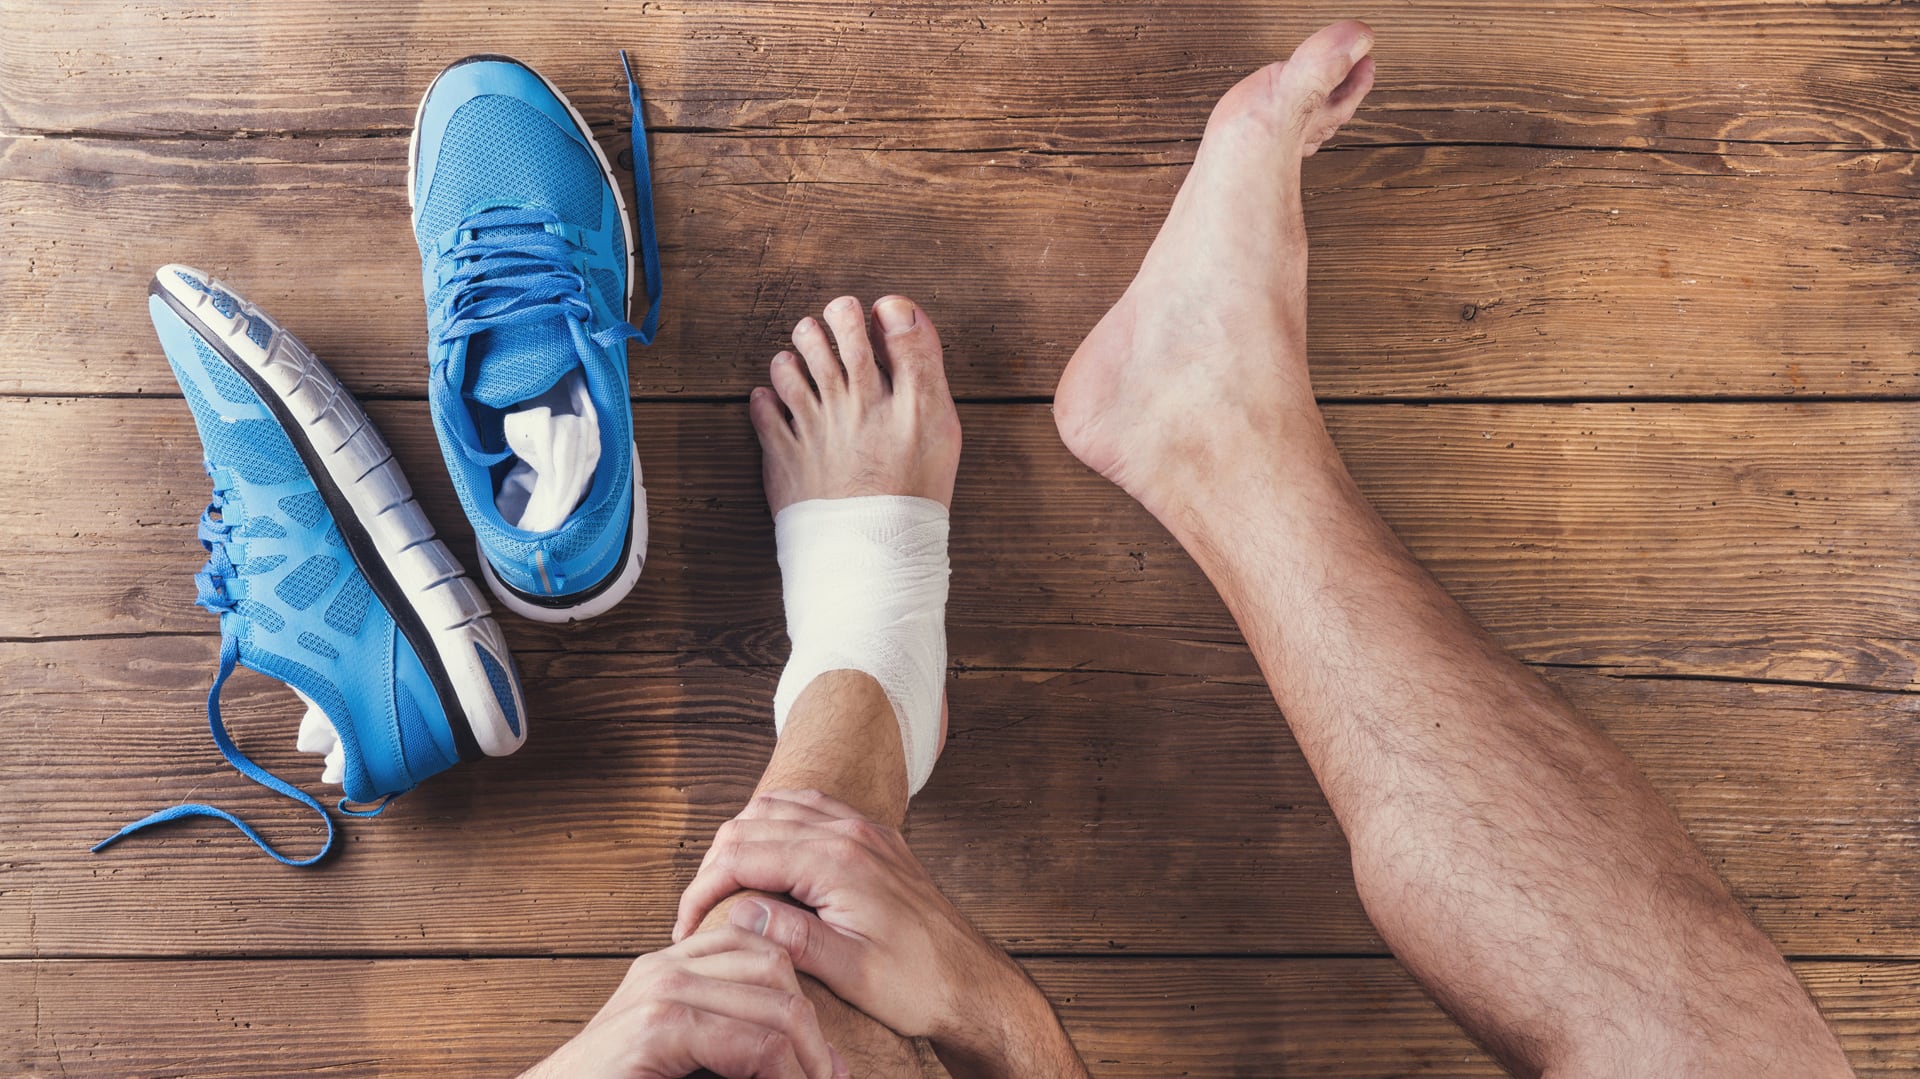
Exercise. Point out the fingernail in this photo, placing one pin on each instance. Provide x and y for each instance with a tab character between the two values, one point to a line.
896	314
840	1069
751	916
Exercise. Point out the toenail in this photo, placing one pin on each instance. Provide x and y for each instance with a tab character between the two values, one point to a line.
843	303
803	326
896	314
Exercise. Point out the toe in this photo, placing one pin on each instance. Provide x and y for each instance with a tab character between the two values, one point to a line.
849	325
911	344
1314	81
828	376
1340	106
769	419
790	383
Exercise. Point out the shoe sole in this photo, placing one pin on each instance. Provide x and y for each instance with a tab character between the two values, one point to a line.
432	601
613	588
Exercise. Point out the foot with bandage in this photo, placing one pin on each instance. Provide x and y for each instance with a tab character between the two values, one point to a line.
860	444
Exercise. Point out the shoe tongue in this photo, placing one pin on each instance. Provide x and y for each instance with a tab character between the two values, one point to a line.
512	364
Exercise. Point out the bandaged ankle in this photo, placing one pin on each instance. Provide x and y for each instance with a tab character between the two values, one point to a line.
865	582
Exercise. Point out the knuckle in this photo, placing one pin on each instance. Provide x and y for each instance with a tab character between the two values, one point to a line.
770	1047
798	1013
867	833
656	1014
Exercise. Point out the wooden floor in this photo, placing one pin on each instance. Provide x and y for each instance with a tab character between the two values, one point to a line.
1616	315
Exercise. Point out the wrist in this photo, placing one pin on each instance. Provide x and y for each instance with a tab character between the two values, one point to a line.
1001	1025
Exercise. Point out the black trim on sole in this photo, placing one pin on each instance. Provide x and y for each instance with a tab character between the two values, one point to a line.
360	543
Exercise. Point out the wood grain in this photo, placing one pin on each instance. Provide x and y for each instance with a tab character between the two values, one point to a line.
1753	540
1437	272
1663	73
1088	812
1149	1018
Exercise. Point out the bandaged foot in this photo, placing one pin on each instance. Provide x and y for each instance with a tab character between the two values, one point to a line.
859	450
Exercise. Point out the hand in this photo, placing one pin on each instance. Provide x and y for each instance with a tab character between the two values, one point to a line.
725	1000
881	934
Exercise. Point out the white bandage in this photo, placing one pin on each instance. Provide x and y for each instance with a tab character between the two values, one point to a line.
865	583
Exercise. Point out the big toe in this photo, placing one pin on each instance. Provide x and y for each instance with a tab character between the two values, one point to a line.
911	344
1322	83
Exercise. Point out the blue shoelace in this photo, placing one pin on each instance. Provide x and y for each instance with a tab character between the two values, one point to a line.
643	208
211	585
523	272
524	278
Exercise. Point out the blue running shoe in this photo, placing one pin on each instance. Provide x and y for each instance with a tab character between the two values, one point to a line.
324	572
526	251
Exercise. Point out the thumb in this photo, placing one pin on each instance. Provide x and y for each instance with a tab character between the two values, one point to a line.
815	947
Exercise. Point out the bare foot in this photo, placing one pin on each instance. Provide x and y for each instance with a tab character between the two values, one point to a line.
872	420
1209	341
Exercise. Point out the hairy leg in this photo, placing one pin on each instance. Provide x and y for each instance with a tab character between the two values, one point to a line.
854	413
1515	860
841	738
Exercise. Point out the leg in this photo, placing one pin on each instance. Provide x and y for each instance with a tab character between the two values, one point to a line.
1513	858
841	738
871	420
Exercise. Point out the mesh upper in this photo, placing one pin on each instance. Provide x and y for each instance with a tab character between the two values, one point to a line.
499	148
494	150
308	581
257	451
302	611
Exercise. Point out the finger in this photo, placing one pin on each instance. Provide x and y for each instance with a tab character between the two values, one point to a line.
739	1048
762	830
719	939
801	870
769	967
784	1013
744	829
812	946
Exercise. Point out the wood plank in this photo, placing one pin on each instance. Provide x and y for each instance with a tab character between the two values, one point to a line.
1658	72
1487	271
1752	541
1321	1017
1071	812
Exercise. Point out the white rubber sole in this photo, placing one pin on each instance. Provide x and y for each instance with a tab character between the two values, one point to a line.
606	600
637	531
380	503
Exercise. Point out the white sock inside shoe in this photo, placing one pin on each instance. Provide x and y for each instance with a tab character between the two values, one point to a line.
555	439
865	584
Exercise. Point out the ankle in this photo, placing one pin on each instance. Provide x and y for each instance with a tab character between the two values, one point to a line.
1237	459
842	739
